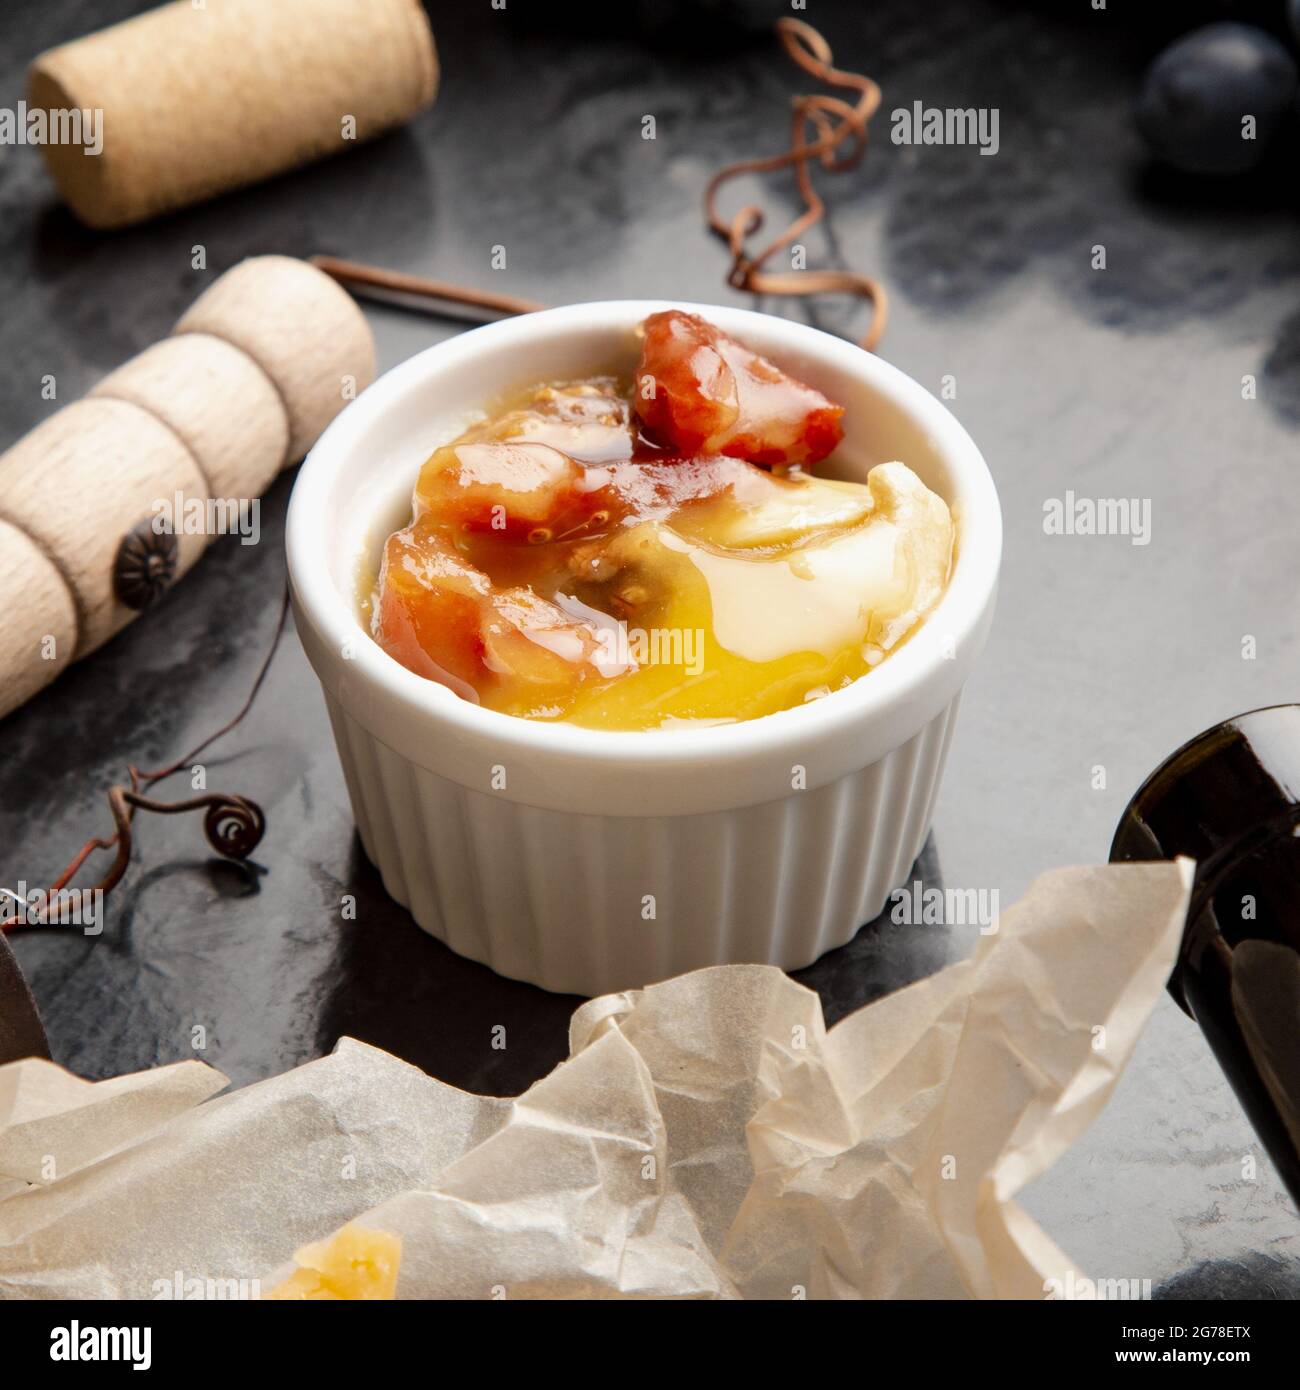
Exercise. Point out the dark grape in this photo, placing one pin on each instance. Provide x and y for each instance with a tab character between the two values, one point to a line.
1197	93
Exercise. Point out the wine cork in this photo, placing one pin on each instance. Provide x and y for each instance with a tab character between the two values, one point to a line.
262	306
199	98
90	528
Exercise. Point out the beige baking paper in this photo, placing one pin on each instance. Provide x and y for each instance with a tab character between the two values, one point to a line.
706	1138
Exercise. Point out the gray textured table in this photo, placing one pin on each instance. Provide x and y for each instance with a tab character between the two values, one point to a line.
1125	382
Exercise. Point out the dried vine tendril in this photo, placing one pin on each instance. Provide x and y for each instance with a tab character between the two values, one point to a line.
822	124
233	825
826	130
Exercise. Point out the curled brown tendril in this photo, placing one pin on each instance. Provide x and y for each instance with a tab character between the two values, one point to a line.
827	130
233	825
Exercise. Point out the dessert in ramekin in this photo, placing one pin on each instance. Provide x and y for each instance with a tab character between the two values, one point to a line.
590	859
657	551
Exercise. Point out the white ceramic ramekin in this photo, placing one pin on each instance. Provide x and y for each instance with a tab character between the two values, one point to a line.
589	861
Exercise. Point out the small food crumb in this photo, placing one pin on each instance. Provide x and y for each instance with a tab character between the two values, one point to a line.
354	1264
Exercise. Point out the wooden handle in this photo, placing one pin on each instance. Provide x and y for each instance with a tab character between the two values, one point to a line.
257	367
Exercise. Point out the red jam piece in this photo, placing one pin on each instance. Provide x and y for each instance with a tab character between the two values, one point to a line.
700	392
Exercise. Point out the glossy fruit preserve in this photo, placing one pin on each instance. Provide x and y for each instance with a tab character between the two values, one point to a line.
636	555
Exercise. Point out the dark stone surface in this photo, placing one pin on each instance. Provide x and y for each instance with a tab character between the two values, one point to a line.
1122	382
21	1032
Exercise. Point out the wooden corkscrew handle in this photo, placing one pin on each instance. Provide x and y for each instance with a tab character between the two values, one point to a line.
250	376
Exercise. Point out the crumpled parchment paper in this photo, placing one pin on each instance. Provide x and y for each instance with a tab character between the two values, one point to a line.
706	1138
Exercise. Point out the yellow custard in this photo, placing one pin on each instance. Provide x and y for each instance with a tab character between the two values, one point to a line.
564	562
355	1264
753	628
